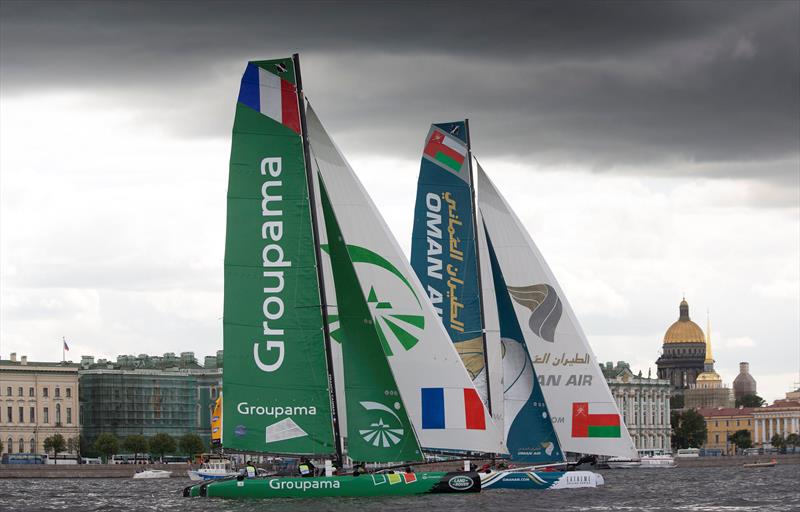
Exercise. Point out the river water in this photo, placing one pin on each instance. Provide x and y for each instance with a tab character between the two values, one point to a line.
684	489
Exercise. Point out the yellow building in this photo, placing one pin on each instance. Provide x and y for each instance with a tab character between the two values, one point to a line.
37	400
722	422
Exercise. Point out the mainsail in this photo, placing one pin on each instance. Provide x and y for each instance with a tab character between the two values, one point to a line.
443	251
584	414
277	396
446	259
436	390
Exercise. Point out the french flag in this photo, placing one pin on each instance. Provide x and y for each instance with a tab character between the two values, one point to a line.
271	95
452	408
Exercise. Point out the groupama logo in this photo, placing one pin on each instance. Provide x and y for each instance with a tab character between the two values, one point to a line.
380	433
399	321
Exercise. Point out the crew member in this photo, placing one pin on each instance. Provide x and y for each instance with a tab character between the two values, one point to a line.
251	469
306	468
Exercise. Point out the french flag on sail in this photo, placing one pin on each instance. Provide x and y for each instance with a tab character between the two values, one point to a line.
452	408
271	95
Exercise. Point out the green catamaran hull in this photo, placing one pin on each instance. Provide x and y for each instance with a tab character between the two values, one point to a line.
396	484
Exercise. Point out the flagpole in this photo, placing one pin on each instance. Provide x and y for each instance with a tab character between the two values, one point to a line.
63	342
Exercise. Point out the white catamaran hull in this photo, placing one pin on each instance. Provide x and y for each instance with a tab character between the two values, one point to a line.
539	480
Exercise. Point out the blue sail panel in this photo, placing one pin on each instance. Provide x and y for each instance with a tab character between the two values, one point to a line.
443	250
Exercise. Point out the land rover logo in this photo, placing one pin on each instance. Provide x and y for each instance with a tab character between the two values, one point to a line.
460	483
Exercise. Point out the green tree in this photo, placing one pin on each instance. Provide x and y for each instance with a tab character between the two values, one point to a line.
162	443
55	444
751	400
74	444
136	444
688	429
191	444
792	440
742	439
106	444
1	446
778	442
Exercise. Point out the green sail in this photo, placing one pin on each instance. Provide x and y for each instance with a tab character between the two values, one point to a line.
378	428
276	380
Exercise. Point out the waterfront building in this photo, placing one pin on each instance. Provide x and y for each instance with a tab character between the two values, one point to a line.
38	400
721	422
149	394
683	352
744	383
644	403
782	417
708	390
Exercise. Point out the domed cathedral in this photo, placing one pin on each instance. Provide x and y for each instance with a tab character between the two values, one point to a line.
684	352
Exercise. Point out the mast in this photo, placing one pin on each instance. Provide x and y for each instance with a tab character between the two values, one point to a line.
478	264
315	230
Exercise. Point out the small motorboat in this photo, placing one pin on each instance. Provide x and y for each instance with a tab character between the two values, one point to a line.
623	463
656	460
152	473
769	464
214	469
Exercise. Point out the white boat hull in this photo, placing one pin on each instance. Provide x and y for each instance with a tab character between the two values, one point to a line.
540	480
199	475
651	462
152	474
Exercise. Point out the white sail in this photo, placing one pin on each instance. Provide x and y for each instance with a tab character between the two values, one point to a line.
494	348
584	413
437	392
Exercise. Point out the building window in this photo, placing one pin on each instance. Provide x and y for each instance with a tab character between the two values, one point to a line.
737	423
69	415
716	438
716	423
9	415
10	443
31	392
21	414
44	392
726	423
19	391
69	392
748	422
8	391
33	414
58	392
46	413
32	444
58	413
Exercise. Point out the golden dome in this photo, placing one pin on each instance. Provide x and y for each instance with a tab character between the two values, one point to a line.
684	330
709	376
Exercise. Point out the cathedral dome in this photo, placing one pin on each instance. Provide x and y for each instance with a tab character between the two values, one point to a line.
684	330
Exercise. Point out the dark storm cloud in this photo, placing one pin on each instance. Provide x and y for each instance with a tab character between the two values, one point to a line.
613	86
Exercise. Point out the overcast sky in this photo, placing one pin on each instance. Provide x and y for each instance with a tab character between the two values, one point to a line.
652	149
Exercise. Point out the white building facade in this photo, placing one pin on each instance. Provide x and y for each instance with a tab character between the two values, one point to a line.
782	418
644	404
37	400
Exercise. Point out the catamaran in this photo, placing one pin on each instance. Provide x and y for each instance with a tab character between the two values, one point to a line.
302	376
509	320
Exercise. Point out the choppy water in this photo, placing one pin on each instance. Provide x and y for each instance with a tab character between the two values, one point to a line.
681	489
